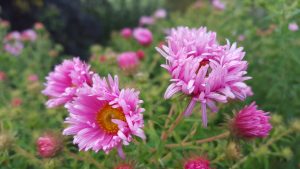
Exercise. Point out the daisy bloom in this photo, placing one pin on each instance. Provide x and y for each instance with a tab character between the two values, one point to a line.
251	123
29	35
218	4
160	13
126	33
143	36
204	70
146	20
128	61
103	117
63	82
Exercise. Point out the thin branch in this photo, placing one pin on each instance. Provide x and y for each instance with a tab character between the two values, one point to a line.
220	136
172	127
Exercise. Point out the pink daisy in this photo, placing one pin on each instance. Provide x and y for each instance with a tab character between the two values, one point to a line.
128	61
147	20
126	33
160	13
29	35
103	117
251	122
203	69
63	82
143	36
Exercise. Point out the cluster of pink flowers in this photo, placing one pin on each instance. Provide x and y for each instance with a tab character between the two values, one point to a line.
150	20
101	116
204	70
142	35
13	41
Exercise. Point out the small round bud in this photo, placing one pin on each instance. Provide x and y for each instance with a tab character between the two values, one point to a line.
232	151
5	141
287	153
48	145
296	125
276	119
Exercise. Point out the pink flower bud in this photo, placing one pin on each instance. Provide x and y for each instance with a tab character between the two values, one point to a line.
251	123
16	102
124	166
29	35
197	163
2	76
38	26
48	145
33	78
126	33
140	54
293	26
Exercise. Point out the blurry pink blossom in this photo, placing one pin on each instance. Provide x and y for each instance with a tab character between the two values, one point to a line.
33	78
218	4
38	26
143	36
29	35
160	13
16	102
241	38
14	48
2	76
126	33
140	54
128	60
293	26
147	20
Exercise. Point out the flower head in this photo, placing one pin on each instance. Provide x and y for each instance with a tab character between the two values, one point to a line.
197	163
4	23
103	117
147	20
160	13
126	32
48	145
29	35
218	4
33	78
203	69
38	26
16	102
63	82
128	61
251	122
293	26
143	36
124	166
140	54
2	76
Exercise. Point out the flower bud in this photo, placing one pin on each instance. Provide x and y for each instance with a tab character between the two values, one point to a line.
48	145
197	162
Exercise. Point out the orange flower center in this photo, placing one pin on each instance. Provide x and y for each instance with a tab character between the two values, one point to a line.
104	118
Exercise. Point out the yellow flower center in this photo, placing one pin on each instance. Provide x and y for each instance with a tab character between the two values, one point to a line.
105	115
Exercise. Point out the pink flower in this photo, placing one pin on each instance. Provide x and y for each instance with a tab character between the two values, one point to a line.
12	43
197	163
48	145
64	81
251	122
14	48
146	20
218	4
103	117
160	13
293	26
2	76
241	37
4	23
124	166
13	36
143	36
16	102
29	35
128	60
126	32
38	26
33	78
204	70
140	54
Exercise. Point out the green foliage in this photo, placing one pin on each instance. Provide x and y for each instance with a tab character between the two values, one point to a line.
272	53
